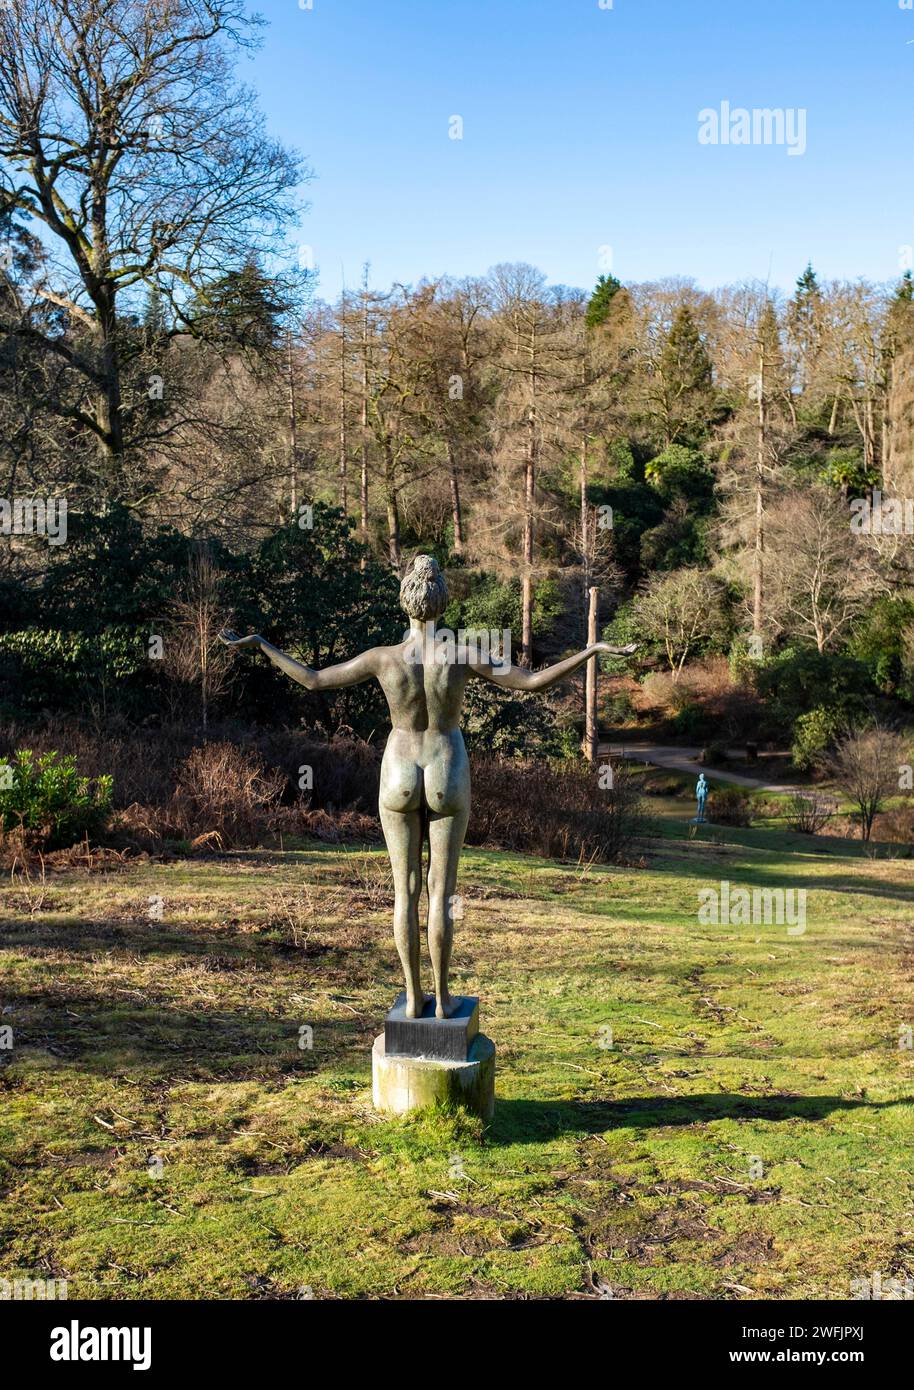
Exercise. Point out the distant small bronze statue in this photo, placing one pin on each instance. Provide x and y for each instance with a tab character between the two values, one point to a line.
701	796
425	773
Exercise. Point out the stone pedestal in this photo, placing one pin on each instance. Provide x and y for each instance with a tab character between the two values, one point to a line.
427	1060
443	1039
401	1083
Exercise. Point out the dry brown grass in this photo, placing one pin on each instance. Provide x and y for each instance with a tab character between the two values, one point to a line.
239	790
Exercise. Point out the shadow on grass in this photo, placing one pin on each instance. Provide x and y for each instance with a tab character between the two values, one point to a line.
704	872
533	1121
96	1034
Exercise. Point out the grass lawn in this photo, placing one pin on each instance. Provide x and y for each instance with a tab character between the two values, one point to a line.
748	1134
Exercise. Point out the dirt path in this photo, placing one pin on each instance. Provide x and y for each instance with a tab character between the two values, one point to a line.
685	760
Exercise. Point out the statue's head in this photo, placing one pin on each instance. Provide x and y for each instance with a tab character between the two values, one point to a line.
423	592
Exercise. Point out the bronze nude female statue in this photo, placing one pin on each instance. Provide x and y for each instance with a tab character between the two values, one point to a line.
425	774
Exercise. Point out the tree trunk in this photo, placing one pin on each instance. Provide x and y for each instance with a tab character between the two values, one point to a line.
526	655
363	502
455	500
585	535
343	474
293	434
590	685
393	515
759	570
393	534
363	479
109	409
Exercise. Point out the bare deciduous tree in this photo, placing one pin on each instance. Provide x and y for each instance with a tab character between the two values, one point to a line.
866	765
124	133
822	576
680	610
194	655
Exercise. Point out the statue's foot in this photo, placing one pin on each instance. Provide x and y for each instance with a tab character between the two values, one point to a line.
415	1003
446	1006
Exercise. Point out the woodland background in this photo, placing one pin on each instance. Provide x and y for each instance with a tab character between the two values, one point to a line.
233	449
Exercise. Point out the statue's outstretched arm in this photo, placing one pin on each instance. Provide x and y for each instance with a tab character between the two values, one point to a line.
359	668
518	678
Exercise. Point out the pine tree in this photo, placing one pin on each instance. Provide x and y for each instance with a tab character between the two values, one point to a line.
154	314
804	321
684	398
599	303
243	307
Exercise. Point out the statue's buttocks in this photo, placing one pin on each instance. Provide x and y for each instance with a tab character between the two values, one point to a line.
427	768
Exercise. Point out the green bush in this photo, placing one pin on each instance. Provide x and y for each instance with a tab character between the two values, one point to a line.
689	720
683	471
731	806
622	629
50	667
514	724
880	642
812	734
492	605
744	667
50	802
798	680
620	710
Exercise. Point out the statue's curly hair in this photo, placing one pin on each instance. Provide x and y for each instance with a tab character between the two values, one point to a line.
423	592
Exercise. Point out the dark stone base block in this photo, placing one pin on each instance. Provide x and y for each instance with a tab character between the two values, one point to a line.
439	1039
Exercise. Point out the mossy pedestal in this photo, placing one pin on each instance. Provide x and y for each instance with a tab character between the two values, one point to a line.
427	1061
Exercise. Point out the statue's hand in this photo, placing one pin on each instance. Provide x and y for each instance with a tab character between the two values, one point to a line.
231	639
617	651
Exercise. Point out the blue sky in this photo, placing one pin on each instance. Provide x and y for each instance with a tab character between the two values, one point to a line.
580	132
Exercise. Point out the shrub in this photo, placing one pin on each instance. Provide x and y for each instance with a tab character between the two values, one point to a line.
808	812
492	604
689	720
45	667
346	770
743	667
619	709
681	470
705	702
865	765
512	723
897	825
49	803
798	680
664	785
881	642
241	789
229	792
813	733
554	809
731	806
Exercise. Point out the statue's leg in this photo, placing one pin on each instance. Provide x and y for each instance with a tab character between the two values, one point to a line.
403	834
445	841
